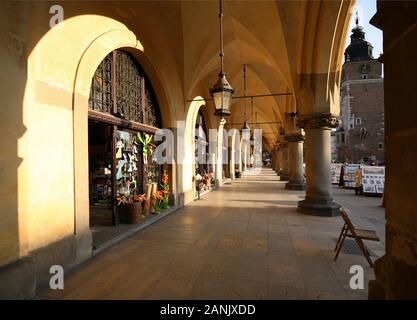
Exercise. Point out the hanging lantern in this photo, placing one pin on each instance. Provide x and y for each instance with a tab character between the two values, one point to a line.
222	91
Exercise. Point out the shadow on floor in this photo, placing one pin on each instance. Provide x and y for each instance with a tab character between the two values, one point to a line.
277	202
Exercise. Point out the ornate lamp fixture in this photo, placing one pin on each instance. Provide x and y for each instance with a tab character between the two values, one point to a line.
222	91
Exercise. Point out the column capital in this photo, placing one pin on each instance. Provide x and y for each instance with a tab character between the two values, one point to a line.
294	137
318	120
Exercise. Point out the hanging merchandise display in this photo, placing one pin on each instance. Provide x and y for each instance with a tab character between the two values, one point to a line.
335	169
349	175
373	179
127	167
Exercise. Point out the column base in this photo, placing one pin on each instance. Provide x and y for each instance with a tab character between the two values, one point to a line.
319	207
295	186
217	183
284	177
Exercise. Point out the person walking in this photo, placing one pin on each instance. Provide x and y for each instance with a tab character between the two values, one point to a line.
341	177
358	181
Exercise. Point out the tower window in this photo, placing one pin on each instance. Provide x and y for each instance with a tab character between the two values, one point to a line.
358	121
380	146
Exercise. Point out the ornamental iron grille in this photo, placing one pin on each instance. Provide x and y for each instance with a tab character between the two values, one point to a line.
101	87
152	110
128	87
121	78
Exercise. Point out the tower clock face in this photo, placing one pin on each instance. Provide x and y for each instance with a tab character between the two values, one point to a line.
365	68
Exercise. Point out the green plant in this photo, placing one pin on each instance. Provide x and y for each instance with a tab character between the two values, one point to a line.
158	201
146	140
165	190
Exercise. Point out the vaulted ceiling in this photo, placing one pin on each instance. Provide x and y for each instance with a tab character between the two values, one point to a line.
286	45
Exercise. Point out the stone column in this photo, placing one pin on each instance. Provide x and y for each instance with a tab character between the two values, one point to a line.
318	199
279	159
242	156
283	172
220	154
274	159
295	148
239	156
230	165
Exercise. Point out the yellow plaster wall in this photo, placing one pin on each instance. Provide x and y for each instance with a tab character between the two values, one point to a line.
45	178
46	185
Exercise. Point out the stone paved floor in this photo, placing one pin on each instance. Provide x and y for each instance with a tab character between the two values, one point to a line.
244	241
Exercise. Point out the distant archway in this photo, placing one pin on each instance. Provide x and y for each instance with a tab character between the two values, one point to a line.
187	183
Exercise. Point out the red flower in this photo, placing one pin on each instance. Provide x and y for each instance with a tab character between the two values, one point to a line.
164	178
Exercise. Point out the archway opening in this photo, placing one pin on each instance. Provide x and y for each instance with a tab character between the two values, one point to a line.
123	117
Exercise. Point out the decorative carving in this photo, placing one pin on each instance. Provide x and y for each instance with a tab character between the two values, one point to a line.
318	120
294	137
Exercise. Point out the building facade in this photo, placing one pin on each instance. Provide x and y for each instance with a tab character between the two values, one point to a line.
361	136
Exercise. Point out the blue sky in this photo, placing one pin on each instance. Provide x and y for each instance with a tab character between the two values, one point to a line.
366	10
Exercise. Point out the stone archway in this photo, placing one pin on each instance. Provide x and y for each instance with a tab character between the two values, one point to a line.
187	144
101	46
70	91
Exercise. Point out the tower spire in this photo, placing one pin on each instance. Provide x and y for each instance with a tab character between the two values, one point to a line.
357	18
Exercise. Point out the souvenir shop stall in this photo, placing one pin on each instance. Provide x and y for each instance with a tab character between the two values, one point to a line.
124	177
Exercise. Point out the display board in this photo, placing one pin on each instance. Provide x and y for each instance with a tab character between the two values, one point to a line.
335	169
349	176
373	179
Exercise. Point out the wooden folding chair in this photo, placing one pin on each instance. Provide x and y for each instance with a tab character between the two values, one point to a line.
350	231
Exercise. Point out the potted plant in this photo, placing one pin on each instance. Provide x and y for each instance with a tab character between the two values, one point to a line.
165	190
133	208
121	207
158	202
141	198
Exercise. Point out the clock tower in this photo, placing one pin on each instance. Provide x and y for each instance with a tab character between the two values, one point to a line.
361	136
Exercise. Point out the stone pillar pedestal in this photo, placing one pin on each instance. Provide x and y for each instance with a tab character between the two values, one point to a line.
295	148
318	199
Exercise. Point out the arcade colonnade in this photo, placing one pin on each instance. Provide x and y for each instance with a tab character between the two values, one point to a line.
46	82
